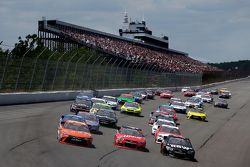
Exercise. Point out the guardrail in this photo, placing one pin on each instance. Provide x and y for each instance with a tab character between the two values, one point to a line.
37	97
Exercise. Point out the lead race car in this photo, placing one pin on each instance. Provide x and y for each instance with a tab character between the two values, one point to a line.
130	137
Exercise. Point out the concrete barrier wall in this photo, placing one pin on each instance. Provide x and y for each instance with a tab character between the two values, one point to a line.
36	97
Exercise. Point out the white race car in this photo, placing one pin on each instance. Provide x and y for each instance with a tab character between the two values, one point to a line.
179	107
112	101
160	122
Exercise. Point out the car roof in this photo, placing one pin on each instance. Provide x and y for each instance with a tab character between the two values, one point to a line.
76	122
131	127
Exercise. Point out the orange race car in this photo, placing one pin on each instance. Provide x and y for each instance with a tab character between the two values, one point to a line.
74	132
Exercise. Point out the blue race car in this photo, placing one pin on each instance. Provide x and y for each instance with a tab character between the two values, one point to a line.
91	120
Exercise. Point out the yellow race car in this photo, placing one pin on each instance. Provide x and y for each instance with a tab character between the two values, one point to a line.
133	107
195	113
222	90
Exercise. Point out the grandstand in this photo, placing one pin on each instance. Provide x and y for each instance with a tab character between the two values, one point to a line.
142	48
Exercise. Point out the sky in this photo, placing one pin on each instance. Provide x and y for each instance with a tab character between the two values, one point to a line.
208	30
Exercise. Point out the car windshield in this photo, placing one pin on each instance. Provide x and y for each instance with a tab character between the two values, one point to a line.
179	141
170	130
101	106
73	118
135	105
113	99
159	123
76	127
126	96
178	104
165	117
131	132
163	108
83	101
106	113
89	117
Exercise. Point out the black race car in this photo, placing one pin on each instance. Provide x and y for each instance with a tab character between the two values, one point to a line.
81	104
107	117
178	147
221	103
225	94
150	94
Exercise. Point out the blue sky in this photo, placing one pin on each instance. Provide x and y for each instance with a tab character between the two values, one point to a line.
209	30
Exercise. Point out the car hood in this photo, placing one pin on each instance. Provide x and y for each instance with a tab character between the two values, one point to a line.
179	107
76	133
130	137
197	114
180	147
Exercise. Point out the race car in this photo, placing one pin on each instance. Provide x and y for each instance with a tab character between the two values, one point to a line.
160	122
163	106
214	91
221	103
179	107
131	108
98	106
207	98
143	94
81	103
225	94
112	101
196	113
66	117
130	137
125	98
189	93
169	112
158	92
137	96
222	90
98	100
91	120
166	130
184	89
194	102
174	99
177	146
74	132
107	117
150	94
154	116
167	94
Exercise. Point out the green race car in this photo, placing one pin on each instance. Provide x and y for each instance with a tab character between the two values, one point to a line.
126	98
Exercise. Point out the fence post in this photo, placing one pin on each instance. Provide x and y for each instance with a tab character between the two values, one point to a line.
92	71
76	70
21	64
52	87
103	82
45	71
84	70
34	68
4	70
66	73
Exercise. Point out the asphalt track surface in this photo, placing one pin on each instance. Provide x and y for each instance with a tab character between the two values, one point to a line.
28	137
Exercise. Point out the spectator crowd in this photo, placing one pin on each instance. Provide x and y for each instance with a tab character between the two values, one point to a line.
171	62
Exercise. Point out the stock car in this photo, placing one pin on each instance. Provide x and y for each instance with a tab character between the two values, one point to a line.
150	94
131	108
222	90
98	100
125	98
81	103
214	91
174	99
163	106
189	93
167	94
130	137
91	120
137	96
221	103
179	107
73	131
207	98
225	94
97	106
177	146
107	117
166	130
112	101
194	102
168	112
143	94
160	122
184	89
196	113
154	116
71	117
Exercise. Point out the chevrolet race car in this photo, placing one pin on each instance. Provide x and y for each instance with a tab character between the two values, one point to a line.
207	98
81	104
225	94
112	101
137	97
74	132
168	112
179	107
189	93
143	94
91	120
166	130
163	106
97	106
194	102
154	116
196	113
160	122
174	99
177	146
150	94
130	137
98	100
107	117
167	94
125	98
221	103
131	108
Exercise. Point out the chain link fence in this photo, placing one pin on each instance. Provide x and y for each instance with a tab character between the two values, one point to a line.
81	72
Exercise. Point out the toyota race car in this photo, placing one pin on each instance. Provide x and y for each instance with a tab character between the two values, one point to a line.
130	137
196	113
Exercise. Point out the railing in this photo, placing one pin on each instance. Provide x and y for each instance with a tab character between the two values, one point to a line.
84	72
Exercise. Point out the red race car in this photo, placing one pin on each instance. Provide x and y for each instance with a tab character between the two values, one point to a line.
190	93
130	137
166	130
169	112
167	94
